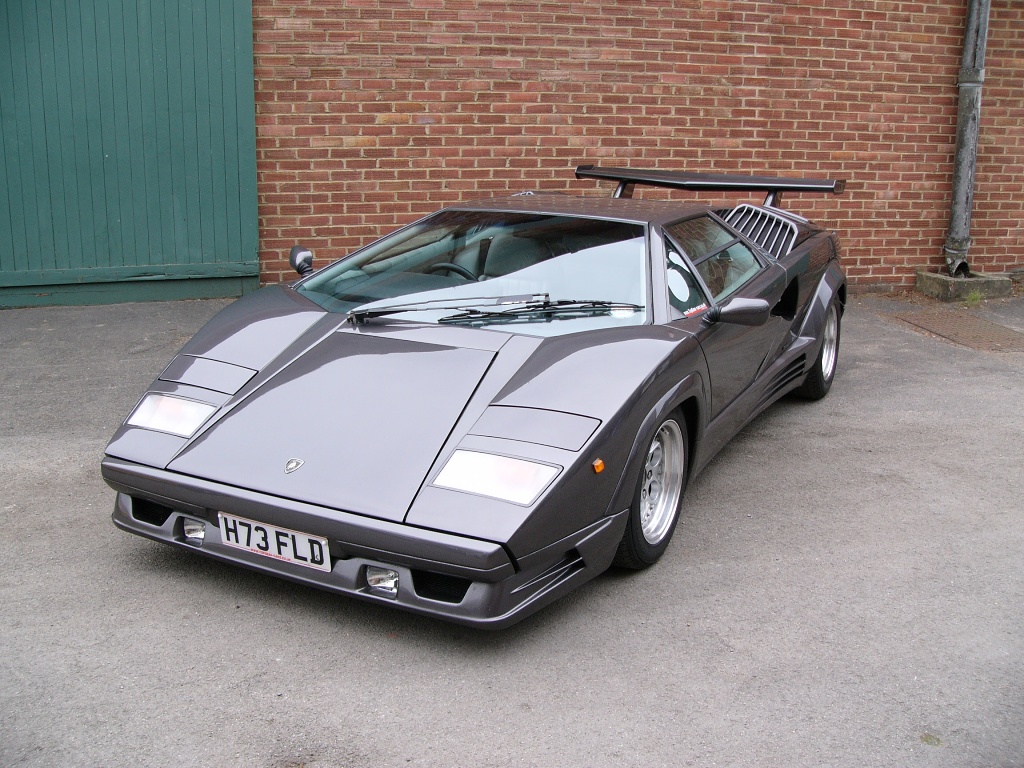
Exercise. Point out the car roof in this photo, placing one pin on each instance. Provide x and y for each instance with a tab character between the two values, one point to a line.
616	208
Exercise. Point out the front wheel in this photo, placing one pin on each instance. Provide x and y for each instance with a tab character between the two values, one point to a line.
657	499
819	379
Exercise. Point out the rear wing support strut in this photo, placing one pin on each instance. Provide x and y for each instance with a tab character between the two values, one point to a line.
774	186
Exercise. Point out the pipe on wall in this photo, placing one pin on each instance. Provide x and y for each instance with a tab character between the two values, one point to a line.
969	82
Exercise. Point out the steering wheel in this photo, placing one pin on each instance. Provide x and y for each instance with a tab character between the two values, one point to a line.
447	266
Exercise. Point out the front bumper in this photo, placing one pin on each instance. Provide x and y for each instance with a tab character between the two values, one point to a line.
456	578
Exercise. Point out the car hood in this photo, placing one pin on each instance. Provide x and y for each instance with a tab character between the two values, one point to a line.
366	415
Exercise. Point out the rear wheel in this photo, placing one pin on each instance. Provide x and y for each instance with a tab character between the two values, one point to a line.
819	379
657	498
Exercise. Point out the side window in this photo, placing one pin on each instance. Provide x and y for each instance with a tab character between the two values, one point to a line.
683	293
699	237
727	270
723	262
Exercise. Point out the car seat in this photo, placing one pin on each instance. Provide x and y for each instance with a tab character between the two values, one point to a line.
508	254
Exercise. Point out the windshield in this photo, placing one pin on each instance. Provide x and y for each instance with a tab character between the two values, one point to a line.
566	274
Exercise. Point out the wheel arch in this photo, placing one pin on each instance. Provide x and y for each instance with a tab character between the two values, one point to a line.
690	409
686	398
831	286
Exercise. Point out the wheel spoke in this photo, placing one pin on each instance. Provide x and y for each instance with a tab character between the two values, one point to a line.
829	343
662	482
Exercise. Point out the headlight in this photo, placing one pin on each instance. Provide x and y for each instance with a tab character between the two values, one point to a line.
501	477
166	413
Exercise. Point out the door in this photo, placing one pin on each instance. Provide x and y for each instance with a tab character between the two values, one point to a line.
724	268
127	150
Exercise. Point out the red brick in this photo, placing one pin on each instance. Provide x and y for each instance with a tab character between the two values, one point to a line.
373	112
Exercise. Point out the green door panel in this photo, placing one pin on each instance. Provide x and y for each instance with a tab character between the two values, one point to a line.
127	149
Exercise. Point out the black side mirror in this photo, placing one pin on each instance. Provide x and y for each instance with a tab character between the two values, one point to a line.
301	260
740	312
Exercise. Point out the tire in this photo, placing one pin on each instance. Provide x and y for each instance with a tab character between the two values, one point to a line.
819	379
657	499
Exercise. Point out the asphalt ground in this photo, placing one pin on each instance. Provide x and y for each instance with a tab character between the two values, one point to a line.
845	589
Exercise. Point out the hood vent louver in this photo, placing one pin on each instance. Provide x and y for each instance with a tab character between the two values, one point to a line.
771	230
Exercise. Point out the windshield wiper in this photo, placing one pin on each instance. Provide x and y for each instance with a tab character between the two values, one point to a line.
457	303
544	309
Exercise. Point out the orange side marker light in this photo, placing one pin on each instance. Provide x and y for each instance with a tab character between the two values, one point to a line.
598	466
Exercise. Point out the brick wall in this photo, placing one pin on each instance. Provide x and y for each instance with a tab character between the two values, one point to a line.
371	113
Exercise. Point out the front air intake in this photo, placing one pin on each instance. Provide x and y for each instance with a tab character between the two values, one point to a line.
150	512
440	586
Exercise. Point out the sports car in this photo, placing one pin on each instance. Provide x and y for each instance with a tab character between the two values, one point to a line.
492	405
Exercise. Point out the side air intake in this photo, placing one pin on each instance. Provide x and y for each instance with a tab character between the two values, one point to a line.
772	231
783	379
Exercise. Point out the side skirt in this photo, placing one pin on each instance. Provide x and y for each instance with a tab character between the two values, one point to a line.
784	375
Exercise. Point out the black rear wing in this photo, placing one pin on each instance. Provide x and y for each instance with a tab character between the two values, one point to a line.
707	182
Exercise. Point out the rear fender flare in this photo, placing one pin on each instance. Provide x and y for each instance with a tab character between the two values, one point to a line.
831	286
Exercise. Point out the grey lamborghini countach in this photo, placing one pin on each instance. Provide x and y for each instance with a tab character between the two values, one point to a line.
487	408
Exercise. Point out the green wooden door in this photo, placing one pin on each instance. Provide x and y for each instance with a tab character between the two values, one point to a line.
127	150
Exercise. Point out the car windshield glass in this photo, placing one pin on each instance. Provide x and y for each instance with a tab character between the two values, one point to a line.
448	263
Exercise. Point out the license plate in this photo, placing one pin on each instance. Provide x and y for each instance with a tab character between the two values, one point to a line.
279	543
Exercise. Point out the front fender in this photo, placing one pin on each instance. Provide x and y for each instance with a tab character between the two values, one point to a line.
691	387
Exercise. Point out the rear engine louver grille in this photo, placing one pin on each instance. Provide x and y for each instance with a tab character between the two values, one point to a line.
770	230
785	377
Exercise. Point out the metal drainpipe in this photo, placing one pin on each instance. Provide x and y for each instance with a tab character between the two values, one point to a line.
972	75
